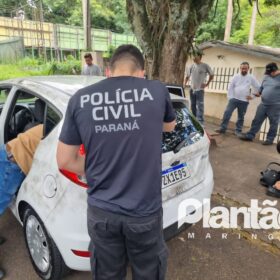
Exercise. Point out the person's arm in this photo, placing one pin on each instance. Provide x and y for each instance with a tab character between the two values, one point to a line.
187	75
69	158
169	126
210	74
256	85
231	87
169	120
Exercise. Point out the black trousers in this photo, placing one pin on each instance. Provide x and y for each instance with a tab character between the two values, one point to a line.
117	240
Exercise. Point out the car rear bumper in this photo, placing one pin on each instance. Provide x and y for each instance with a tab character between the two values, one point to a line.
199	192
69	231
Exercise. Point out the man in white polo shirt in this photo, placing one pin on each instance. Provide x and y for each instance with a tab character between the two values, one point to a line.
239	95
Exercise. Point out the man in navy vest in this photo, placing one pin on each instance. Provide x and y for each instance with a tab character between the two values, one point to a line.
120	121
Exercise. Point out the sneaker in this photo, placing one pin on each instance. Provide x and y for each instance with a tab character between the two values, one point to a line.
219	130
267	143
244	137
238	134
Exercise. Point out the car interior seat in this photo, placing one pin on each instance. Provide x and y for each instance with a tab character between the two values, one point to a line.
39	112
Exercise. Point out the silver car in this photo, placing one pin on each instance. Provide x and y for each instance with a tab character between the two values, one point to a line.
51	204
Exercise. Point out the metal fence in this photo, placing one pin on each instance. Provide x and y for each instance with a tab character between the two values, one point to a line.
38	35
11	50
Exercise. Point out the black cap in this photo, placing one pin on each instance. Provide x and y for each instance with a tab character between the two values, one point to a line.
270	67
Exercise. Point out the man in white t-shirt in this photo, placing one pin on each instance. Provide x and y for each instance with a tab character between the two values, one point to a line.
90	69
239	94
198	73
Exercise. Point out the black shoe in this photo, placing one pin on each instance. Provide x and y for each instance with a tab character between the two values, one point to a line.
271	191
219	130
2	274
267	143
244	137
2	240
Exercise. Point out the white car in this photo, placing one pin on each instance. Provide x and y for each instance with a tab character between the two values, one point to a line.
51	204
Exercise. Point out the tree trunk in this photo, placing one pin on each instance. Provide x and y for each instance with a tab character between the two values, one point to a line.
165	30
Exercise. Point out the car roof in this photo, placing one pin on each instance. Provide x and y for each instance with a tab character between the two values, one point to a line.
67	84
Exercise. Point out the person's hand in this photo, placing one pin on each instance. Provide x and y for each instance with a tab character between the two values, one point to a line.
248	97
277	185
257	94
204	85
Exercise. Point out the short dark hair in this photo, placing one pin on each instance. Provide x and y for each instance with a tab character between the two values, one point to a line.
245	63
270	67
128	52
88	55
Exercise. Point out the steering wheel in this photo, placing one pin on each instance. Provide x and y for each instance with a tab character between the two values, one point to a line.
21	117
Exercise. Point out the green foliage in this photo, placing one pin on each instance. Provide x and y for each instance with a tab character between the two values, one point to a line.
109	14
35	67
213	27
68	67
108	54
267	31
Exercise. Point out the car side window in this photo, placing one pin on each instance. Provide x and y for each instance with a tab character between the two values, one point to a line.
4	92
52	119
21	114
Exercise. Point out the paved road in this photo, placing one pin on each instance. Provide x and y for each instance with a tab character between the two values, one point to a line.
199	258
207	256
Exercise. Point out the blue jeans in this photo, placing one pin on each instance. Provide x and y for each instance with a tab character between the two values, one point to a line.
272	112
197	104
241	107
11	178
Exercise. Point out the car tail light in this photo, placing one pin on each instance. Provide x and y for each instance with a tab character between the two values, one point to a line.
208	135
84	254
77	179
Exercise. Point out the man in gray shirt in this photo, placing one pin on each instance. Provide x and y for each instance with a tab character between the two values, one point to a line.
269	107
198	73
90	68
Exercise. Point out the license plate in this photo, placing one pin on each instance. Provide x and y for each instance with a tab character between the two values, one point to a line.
175	174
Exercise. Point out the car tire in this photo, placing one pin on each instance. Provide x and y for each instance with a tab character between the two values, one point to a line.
44	254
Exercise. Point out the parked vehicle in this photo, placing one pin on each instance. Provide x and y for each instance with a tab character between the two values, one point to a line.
51	204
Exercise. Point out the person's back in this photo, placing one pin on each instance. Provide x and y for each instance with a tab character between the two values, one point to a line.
120	122
123	142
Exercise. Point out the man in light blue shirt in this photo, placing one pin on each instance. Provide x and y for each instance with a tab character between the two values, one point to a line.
239	95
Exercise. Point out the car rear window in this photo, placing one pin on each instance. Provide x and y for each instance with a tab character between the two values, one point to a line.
187	131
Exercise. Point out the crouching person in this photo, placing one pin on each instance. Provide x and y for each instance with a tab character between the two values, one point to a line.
275	189
15	162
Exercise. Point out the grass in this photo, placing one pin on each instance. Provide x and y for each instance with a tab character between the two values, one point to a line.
35	67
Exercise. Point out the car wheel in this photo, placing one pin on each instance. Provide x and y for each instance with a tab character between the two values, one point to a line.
45	256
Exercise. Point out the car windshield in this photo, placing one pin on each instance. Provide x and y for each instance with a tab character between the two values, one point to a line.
187	131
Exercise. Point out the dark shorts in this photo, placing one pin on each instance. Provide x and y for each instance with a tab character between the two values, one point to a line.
117	240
